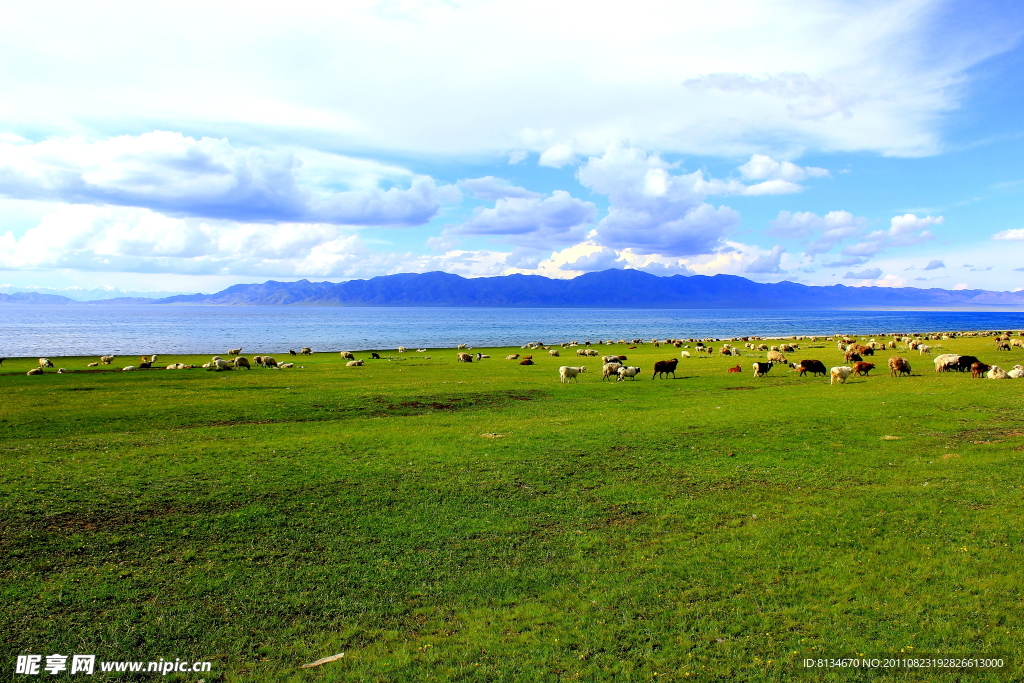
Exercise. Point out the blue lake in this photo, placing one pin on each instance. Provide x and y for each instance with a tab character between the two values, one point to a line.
91	329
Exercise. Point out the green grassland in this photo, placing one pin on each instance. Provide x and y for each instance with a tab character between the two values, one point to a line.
444	521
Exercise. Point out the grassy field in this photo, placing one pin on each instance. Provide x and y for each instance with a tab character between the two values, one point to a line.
443	521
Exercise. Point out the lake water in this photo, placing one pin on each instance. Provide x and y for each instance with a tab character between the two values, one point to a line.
93	329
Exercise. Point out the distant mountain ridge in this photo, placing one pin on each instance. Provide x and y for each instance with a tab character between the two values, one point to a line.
605	289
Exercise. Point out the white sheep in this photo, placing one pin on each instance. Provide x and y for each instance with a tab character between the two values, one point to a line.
106	360
553	353
628	371
923	349
348	355
610	370
512	356
91	365
62	371
284	366
684	354
996	372
235	352
221	364
352	364
421	350
1017	372
45	363
566	373
128	368
840	373
35	371
402	349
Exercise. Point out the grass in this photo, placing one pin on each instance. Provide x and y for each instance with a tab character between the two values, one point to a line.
442	521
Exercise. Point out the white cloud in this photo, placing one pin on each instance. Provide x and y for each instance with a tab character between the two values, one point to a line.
763	167
557	156
716	78
869	274
935	264
830	229
491	189
904	231
652	211
180	175
1015	235
768	263
602	258
533	221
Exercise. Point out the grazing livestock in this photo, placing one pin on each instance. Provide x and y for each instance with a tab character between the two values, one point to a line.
1017	372
1002	346
465	358
815	367
840	374
235	352
91	365
526	361
347	355
610	370
567	372
45	363
978	369
964	363
2	361
776	357
852	356
481	356
664	367
106	360
62	371
128	368
898	366
862	368
923	349
946	362
35	371
684	354
291	352
306	351
997	372
512	356
221	364
269	362
401	349
354	364
735	369
374	356
292	365
242	362
761	369
628	371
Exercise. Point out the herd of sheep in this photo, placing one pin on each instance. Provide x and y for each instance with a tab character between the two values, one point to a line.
614	365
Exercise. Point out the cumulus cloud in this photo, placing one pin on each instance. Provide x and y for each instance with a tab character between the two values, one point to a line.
904	231
763	167
601	258
652	211
533	221
525	258
1013	235
869	274
935	264
830	229
768	263
179	175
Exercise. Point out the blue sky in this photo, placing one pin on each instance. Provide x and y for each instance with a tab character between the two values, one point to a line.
863	143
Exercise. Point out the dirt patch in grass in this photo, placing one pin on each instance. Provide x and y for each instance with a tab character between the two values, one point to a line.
420	405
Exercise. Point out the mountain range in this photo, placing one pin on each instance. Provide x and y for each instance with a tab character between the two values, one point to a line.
605	289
